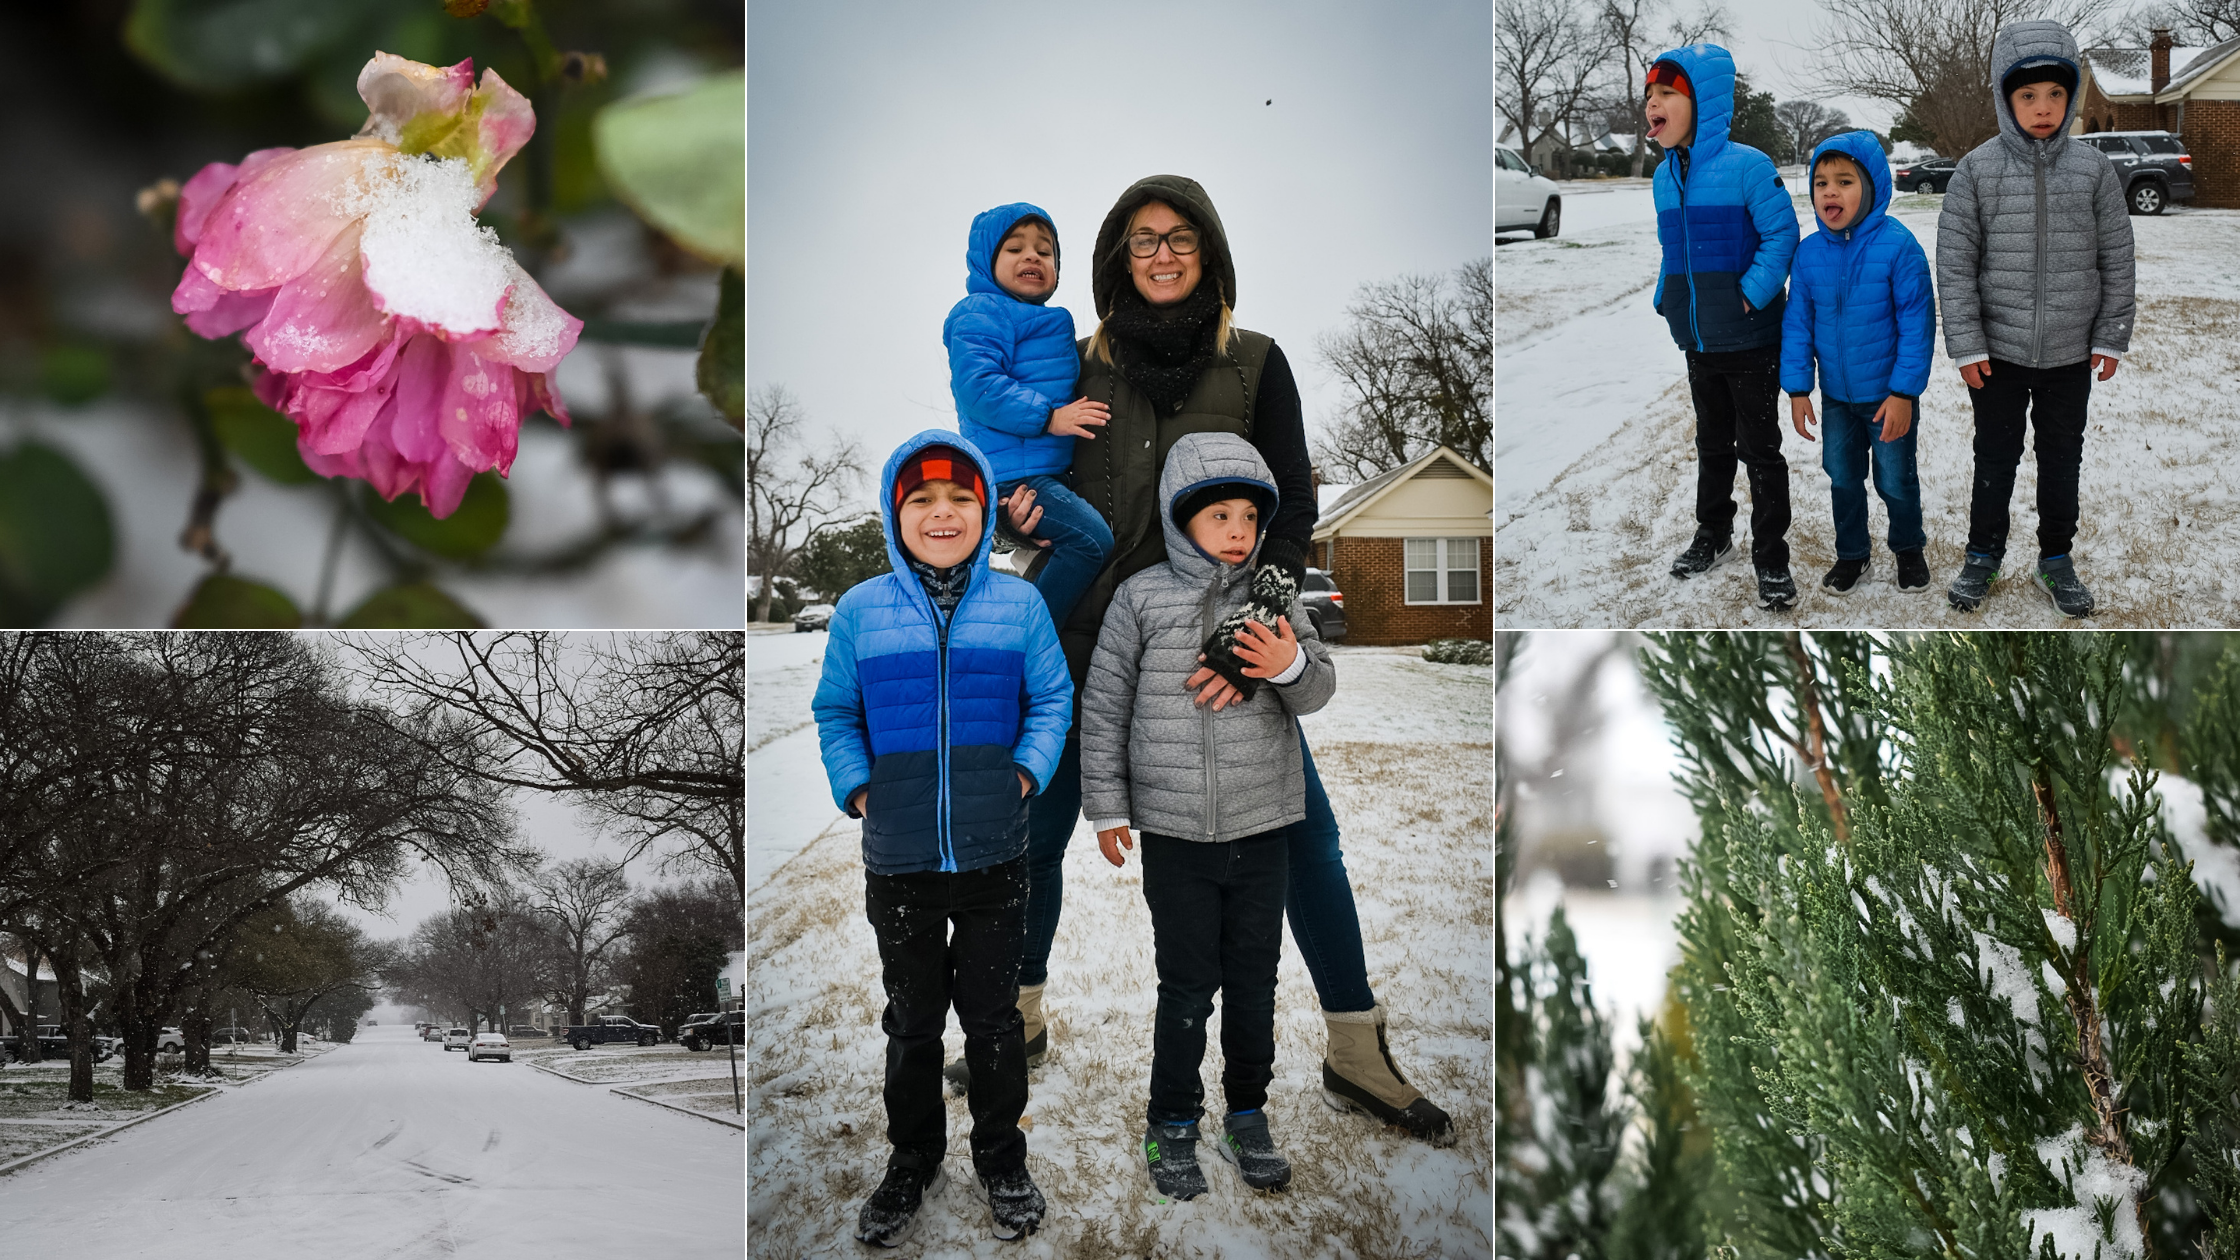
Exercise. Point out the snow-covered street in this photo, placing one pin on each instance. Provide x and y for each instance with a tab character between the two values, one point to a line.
1405	750
391	1146
1595	456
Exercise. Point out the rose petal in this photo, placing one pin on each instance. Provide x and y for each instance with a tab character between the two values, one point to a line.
209	186
443	482
397	90
506	123
420	374
480	411
323	320
215	312
274	225
535	334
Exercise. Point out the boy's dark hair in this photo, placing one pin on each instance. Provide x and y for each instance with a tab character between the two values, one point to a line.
1838	155
2041	71
1038	221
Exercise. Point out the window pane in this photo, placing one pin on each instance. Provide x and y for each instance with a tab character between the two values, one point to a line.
2161	144
1423	553
1423	586
1462	586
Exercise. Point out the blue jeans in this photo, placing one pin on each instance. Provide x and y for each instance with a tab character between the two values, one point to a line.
1847	437
1080	542
1318	898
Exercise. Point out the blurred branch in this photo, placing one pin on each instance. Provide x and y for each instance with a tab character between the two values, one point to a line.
216	482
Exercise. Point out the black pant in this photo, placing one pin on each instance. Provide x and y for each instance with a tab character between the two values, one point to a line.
1735	422
926	967
2054	399
1216	923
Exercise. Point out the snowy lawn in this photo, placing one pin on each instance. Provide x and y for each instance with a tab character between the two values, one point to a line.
1595	453
1405	751
700	1080
36	1112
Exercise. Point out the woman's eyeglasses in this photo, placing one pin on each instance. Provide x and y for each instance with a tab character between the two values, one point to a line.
1182	240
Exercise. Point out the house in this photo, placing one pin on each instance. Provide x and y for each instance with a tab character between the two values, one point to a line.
1412	550
2192	92
43	1007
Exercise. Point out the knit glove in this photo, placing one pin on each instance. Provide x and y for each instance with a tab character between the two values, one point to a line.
1268	602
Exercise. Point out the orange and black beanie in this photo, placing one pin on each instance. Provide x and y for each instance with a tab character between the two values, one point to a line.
939	463
1672	76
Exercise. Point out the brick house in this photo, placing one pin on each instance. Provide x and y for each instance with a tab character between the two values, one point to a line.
2193	93
1413	552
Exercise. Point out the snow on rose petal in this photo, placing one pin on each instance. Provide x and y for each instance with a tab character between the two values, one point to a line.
398	333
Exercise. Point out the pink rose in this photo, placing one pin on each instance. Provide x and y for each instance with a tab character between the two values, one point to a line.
398	334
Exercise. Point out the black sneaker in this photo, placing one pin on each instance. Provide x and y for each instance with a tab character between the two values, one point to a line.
1776	589
1913	571
1014	1202
891	1213
1973	586
1707	552
1844	578
1170	1151
2058	578
1245	1143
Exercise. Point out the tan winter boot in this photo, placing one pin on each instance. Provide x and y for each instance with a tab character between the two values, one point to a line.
1037	1033
1359	1075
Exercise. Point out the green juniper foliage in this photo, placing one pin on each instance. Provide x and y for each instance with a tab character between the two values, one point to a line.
1559	1199
1668	1179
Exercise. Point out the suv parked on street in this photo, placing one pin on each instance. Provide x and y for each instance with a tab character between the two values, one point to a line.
608	1029
489	1045
457	1039
2154	166
1325	605
1523	197
171	1041
716	1028
813	617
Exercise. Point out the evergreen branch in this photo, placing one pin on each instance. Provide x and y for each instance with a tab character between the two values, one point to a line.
1815	757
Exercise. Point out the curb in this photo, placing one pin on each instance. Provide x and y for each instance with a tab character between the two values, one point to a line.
562	1075
36	1156
704	1115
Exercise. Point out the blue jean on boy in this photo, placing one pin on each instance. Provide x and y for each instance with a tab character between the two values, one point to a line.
1080	542
1848	435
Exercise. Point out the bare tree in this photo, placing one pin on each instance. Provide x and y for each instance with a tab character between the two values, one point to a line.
1635	37
1416	366
478	961
583	901
1932	58
1548	57
1806	124
2199	23
791	492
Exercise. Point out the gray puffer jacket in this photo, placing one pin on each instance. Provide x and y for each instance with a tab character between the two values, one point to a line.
2034	245
1150	755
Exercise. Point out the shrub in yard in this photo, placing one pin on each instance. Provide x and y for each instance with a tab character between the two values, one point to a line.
1458	652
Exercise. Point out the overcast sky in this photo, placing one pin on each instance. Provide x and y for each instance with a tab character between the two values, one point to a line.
877	130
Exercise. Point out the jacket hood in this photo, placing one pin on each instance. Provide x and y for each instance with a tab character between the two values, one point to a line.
1200	459
2038	40
989	227
896	558
1190	201
1863	148
1710	71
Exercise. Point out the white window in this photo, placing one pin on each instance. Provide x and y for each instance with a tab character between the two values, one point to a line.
1442	571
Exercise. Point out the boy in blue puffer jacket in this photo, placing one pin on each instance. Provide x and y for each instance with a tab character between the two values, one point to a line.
944	704
1862	307
1012	365
1728	230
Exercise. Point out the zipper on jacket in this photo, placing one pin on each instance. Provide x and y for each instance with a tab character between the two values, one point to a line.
1687	250
2038	302
1206	607
942	831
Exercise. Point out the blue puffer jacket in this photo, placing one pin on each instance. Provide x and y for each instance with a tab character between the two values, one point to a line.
1727	225
1011	362
1860	300
937	714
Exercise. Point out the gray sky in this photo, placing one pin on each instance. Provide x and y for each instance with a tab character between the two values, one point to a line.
877	130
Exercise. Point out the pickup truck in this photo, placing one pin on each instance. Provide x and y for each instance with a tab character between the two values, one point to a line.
609	1029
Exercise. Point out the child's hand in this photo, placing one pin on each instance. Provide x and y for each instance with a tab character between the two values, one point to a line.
856	802
2104	365
1800	415
1975	373
1112	840
1212	687
1026	785
1895	416
1079	418
1022	520
1264	653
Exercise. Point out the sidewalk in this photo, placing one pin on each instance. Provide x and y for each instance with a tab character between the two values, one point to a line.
666	1075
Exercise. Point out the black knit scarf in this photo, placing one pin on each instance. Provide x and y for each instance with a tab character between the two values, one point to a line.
1163	350
945	586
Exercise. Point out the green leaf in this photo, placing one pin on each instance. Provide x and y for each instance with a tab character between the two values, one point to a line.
680	161
477	526
224	45
225	602
263	438
722	372
411	606
74	374
55	536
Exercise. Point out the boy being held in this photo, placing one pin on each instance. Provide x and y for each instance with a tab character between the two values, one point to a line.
1728	230
1211	790
1862	308
944	704
1012	364
2034	261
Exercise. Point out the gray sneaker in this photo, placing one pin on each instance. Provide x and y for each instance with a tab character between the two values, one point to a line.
1973	586
2058	578
1706	551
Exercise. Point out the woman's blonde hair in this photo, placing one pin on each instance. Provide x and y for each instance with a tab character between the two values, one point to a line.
1100	345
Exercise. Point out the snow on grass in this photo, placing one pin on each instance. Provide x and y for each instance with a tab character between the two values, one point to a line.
1595	455
1404	751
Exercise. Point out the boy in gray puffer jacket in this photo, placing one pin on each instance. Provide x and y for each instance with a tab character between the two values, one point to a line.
2034	264
1211	789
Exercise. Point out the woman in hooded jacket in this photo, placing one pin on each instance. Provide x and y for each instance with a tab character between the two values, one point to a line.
1168	360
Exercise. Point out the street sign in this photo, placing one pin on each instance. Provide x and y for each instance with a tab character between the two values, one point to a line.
723	986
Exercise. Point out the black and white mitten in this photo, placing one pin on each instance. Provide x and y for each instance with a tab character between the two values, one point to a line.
1268	602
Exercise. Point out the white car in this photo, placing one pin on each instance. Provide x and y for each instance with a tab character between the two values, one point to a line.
1523	197
489	1045
171	1041
457	1039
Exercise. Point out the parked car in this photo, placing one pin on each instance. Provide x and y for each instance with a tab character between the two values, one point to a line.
457	1039
231	1036
716	1028
611	1029
489	1045
54	1044
1325	605
526	1030
1931	175
813	617
2154	165
433	1032
1523	197
171	1041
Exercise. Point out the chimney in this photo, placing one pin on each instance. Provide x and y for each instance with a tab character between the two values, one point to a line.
2159	51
